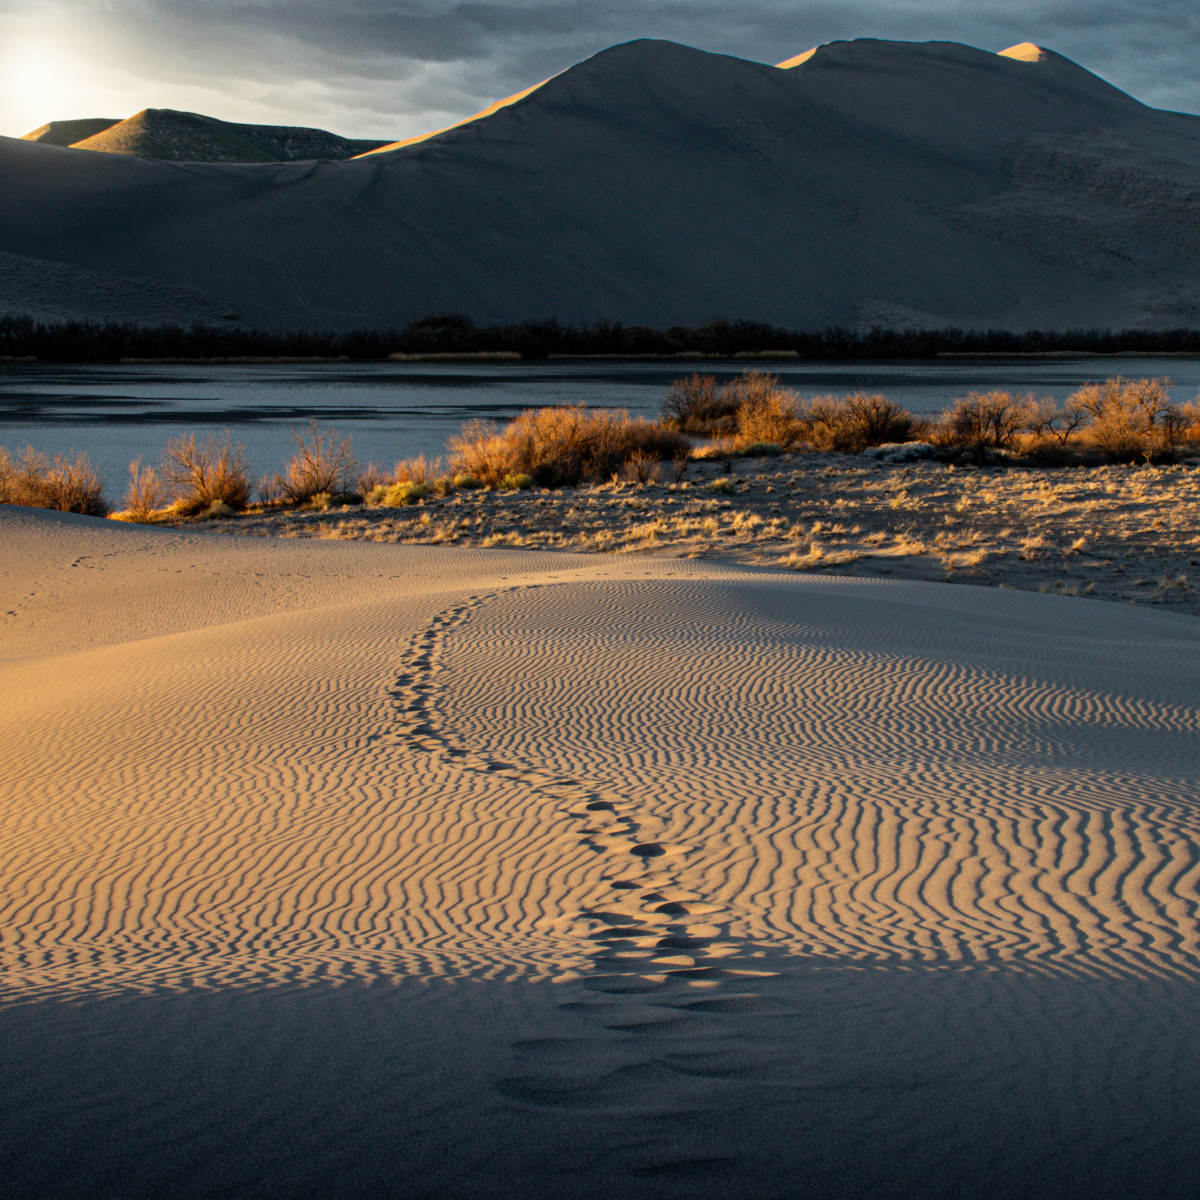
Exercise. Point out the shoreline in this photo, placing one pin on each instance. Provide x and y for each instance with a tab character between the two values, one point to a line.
506	356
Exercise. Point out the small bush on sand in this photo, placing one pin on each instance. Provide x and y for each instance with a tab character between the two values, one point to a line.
64	483
517	482
559	447
1116	420
146	495
467	482
696	405
757	411
199	474
642	468
322	465
723	485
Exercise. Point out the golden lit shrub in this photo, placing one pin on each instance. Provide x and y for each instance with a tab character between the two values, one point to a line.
322	465
65	483
851	424
1129	417
696	405
559	446
146	495
198	475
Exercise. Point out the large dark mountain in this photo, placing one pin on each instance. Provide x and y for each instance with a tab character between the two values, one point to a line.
873	183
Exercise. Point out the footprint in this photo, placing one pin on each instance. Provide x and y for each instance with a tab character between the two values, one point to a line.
676	942
734	1004
648	850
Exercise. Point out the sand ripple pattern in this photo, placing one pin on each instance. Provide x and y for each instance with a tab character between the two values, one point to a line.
833	777
641	777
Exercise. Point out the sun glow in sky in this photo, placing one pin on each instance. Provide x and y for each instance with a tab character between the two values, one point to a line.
397	68
38	79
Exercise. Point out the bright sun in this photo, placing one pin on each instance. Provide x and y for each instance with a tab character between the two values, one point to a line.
37	84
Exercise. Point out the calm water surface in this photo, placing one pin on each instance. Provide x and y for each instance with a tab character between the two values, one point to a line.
394	410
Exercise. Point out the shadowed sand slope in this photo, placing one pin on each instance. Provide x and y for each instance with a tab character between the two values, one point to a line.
354	869
874	182
192	137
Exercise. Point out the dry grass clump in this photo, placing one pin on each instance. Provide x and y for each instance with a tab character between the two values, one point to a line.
199	476
64	483
560	446
417	470
323	465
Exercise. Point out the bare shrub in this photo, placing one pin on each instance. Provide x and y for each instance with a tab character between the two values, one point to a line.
200	475
1047	422
695	405
559	446
981	421
680	462
851	424
1130	417
766	413
322	465
146	494
65	483
641	467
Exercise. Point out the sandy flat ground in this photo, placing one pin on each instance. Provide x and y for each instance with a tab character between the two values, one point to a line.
357	869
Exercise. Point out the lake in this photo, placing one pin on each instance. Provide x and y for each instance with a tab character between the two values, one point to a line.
395	410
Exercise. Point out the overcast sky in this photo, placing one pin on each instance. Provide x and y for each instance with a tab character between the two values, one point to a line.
392	68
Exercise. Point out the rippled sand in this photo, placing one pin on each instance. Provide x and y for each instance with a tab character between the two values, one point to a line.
358	869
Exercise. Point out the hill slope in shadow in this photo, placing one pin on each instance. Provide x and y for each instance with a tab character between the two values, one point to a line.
888	183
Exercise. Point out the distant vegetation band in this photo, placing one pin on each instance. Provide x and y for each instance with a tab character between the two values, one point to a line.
90	341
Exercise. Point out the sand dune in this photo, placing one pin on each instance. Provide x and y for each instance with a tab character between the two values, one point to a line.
340	868
192	137
67	133
869	183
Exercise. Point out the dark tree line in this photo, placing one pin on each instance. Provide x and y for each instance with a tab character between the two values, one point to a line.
109	341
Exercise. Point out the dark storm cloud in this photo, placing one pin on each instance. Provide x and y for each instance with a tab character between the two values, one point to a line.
410	61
